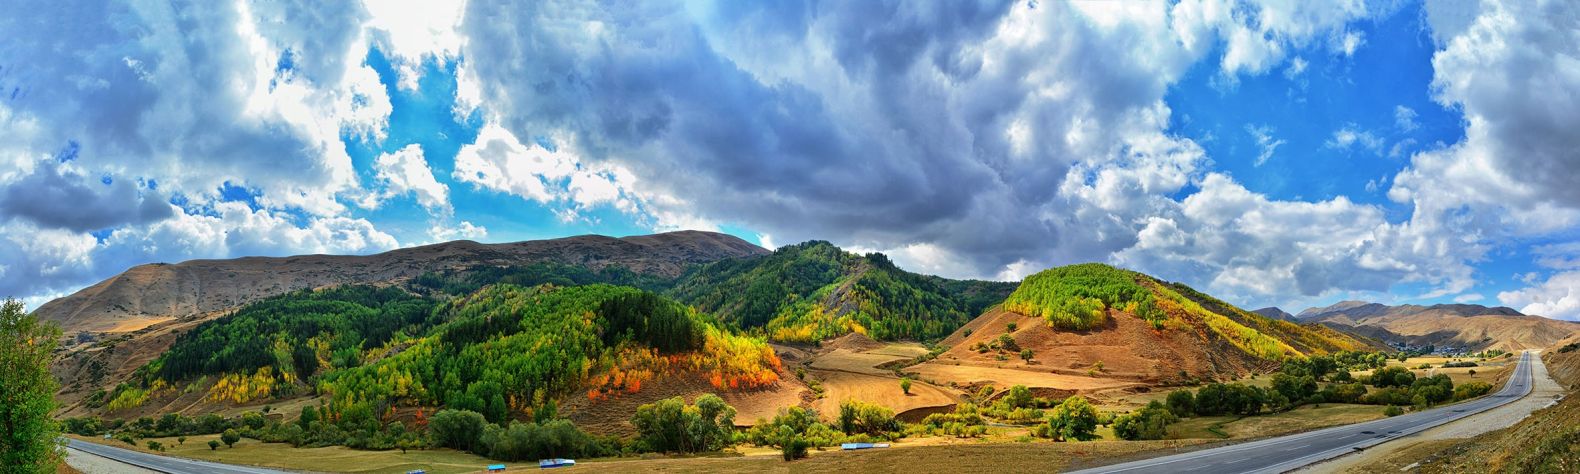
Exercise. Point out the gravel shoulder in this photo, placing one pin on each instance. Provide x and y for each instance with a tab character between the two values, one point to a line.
93	464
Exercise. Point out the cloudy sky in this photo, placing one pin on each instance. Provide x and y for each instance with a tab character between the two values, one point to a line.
1289	153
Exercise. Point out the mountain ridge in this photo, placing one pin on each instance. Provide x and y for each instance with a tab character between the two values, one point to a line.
156	292
1455	327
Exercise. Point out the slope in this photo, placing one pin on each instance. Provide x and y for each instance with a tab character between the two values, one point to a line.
153	293
1101	322
1451	327
506	351
814	291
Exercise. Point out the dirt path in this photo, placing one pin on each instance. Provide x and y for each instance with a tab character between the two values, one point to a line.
1544	392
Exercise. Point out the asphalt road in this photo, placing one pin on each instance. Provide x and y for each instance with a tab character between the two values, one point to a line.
164	464
1277	455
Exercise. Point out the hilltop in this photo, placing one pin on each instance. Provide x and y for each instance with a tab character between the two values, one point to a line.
1099	322
814	291
149	294
1455	327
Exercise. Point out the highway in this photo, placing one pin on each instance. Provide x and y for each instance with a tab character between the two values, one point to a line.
165	464
1281	454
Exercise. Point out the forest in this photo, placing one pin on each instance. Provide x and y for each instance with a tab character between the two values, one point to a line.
813	291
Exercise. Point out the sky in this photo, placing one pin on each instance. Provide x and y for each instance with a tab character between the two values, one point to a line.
1271	153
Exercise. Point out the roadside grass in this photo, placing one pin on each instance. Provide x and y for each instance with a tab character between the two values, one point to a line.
251	452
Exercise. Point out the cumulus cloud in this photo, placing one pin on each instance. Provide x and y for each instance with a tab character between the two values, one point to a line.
406	171
1404	118
1557	297
498	161
1512	72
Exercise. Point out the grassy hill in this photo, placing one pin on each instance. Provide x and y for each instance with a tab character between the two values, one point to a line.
1099	321
505	351
815	291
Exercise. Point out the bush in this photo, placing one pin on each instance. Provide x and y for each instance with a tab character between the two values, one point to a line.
1470	390
1018	397
905	385
671	425
965	422
156	446
1460	364
213	444
1151	422
1344	393
793	431
1393	410
1182	403
1235	398
230	437
532	441
1392	377
1026	354
458	429
1073	420
857	417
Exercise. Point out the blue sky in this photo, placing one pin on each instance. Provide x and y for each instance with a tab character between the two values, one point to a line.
1279	153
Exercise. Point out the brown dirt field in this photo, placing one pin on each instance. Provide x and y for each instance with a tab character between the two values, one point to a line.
883	390
858	362
613	415
1128	347
853	342
1006	377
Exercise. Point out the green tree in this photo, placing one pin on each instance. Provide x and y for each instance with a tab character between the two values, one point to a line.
459	429
1182	403
1073	420
905	385
27	390
309	415
213	444
181	441
670	425
1150	422
856	417
230	437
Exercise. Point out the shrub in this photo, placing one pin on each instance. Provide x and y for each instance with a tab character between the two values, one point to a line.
905	385
213	444
1392	377
156	446
1393	410
458	429
230	437
1026	354
1182	403
1073	420
1151	422
1018	397
671	425
531	441
793	431
857	417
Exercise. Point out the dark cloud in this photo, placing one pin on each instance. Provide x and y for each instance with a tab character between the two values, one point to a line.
54	196
902	139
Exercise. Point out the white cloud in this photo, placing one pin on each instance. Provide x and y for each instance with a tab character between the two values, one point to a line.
406	171
1468	298
1350	137
499	162
417	31
463	230
1296	67
1557	297
1264	140
1404	118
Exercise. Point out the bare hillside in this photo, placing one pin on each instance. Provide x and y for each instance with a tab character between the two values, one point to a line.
152	293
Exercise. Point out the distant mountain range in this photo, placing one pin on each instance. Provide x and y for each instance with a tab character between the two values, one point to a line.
1275	313
1465	327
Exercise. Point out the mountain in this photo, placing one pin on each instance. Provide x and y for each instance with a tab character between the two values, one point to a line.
1276	313
1102	322
1453	327
814	291
153	293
